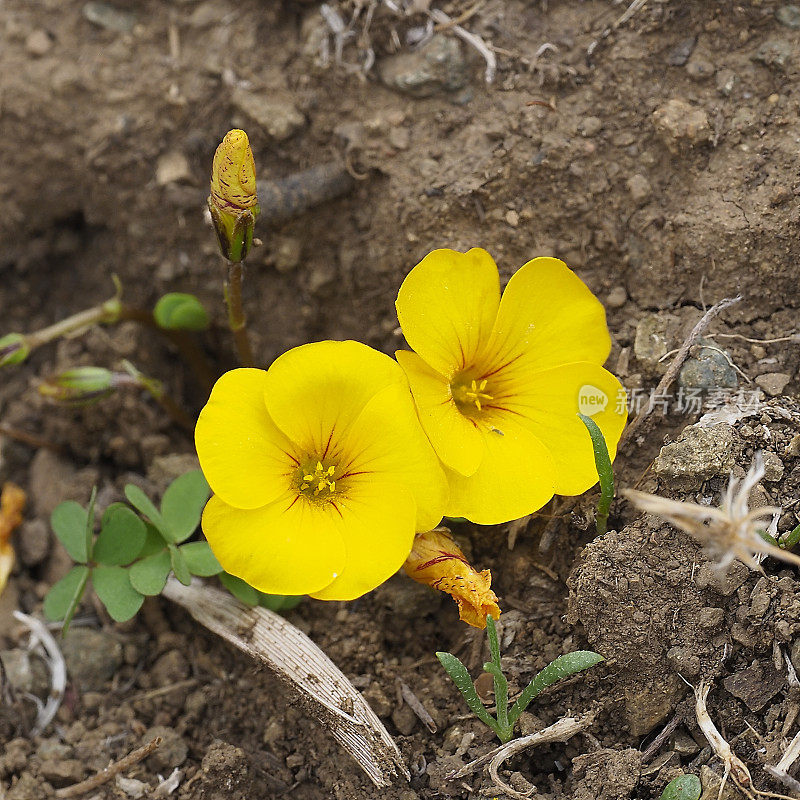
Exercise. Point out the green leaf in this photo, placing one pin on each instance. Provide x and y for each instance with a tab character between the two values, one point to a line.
557	670
183	504
242	591
154	542
69	522
200	560
460	677
122	535
179	311
605	473
89	532
149	575
63	598
142	503
684	787
279	602
179	565
113	586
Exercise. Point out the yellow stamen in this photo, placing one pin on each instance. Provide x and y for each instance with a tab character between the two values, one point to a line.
476	394
320	480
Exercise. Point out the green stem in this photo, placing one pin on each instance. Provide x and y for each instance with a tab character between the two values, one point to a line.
103	314
132	377
236	318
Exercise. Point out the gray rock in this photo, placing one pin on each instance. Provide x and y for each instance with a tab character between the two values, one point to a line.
681	125
773	383
789	16
650	702
171	752
62	772
725	81
707	370
640	188
774	53
274	111
697	455
699	69
92	657
755	685
439	66
107	16
38	43
590	126
773	467
679	54
32	542
172	167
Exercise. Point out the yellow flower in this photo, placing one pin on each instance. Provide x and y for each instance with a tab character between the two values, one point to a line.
499	383
233	202
320	470
437	561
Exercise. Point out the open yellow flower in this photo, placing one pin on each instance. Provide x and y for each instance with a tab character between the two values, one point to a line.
320	471
499	383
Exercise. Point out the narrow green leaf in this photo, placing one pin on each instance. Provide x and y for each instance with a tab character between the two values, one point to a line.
122	535
279	602
113	586
142	503
602	462
149	575
63	598
501	701
200	560
183	503
557	670
154	542
494	645
179	565
460	677
684	787
791	539
69	521
242	591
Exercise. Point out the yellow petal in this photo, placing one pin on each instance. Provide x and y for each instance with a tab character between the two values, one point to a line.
547	317
447	305
291	546
548	407
233	174
515	478
387	444
377	526
314	392
455	437
437	561
12	506
247	461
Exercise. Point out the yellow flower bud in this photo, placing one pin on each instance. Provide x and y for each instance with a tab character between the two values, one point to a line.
436	560
233	201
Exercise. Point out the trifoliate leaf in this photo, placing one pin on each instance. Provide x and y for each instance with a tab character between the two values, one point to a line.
122	535
242	591
183	504
70	521
113	586
63	598
179	565
149	575
200	560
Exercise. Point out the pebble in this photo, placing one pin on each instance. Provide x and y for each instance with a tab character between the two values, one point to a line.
697	455
512	218
170	668
708	370
773	466
107	16
405	720
617	297
25	672
32	542
62	772
172	167
38	43
699	69
710	617
640	188
400	138
793	448
789	16
275	112
773	383
92	656
437	67
679	54
773	53
287	252
650	341
172	751
681	125
714	789
725	81
590	126
53	480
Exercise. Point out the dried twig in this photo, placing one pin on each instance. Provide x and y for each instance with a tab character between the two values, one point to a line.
413	702
110	771
654	746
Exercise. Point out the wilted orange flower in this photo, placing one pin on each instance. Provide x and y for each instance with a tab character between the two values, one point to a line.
436	560
12	504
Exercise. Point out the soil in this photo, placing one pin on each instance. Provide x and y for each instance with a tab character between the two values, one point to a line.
657	157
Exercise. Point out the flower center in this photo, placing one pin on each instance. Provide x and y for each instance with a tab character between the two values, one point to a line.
317	481
470	394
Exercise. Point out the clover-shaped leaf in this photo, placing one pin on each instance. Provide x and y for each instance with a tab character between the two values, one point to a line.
179	565
71	522
63	598
149	575
242	591
122	536
183	503
142	503
200	560
113	586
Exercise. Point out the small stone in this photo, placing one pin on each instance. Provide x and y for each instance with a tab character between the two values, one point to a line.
773	466
287	252
32	542
223	759
405	720
793	448
697	455
650	341
794	655
713	788
640	188
617	297
172	751
38	43
707	370
172	167
725	81
789	16
62	772
274	111
438	66
684	661
25	672
649	703
107	16
679	54
710	617
699	69
399	138
170	668
512	218
590	126
707	576
774	53
681	125
684	745
755	685
377	699
773	383
92	656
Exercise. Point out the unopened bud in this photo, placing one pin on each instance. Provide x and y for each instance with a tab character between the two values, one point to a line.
14	349
182	312
79	385
233	202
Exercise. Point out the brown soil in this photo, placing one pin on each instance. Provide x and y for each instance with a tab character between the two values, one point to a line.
662	167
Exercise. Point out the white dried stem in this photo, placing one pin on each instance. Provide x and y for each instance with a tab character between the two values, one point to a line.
437	15
322	688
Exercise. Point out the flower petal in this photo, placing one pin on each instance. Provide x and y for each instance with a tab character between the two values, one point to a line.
291	546
547	405
447	305
247	461
515	478
377	526
315	391
548	316
387	444
455	438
